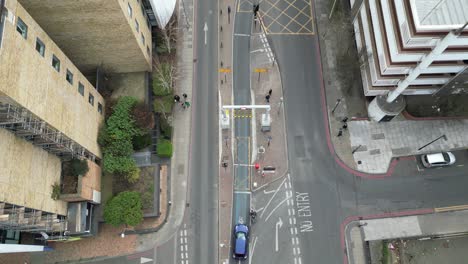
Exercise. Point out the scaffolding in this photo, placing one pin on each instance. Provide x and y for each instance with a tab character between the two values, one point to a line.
24	124
20	218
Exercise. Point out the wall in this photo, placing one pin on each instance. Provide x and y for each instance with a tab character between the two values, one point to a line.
31	81
105	34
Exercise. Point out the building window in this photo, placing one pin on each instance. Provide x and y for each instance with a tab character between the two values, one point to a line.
137	26
22	28
81	88
142	38
99	108
40	47
130	11
56	63
69	76
91	99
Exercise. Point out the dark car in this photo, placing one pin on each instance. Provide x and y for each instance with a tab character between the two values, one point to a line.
241	242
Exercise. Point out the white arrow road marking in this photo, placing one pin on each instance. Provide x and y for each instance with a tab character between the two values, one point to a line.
279	224
205	28
145	260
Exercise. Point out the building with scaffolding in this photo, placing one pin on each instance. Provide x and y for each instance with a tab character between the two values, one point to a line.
49	113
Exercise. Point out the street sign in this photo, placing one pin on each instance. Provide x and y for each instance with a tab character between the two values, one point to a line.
261	70
224	70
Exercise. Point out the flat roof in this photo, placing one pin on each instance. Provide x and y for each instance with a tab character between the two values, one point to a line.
441	12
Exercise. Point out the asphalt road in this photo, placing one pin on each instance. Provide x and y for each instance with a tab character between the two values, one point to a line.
241	91
324	192
202	225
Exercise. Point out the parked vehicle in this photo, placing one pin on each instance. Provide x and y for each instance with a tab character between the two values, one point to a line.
438	159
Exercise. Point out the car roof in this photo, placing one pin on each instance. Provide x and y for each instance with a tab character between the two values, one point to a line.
435	158
240	245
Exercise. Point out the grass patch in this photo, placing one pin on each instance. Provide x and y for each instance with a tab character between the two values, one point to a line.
164	148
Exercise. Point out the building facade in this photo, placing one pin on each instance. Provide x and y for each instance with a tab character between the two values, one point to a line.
396	35
54	56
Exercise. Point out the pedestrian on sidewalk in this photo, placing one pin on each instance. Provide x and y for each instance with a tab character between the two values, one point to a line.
270	91
186	104
340	133
185	96
267	98
176	98
345	126
345	119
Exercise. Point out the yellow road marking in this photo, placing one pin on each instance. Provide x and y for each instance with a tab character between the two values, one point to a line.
451	208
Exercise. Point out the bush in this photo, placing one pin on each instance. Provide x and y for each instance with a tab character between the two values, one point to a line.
125	208
143	117
163	104
79	167
147	199
164	148
141	141
162	79
116	139
165	128
55	191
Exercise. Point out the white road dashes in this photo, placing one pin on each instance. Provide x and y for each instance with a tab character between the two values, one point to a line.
183	245
292	223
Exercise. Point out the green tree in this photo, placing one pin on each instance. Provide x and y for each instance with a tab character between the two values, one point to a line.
79	167
124	208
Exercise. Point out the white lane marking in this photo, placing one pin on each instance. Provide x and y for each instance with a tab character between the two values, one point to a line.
181	240
186	255
297	240
259	209
186	247
293	240
291	230
289	211
295	230
295	260
294	220
181	233
290	221
294	251
298	250
185	239
299	261
253	250
185	232
182	255
241	35
289	203
461	165
276	191
293	211
267	192
245	192
181	248
274	209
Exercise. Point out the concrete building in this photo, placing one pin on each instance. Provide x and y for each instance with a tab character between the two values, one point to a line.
55	56
397	35
113	34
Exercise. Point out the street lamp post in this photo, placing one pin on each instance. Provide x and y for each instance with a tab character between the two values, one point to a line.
443	136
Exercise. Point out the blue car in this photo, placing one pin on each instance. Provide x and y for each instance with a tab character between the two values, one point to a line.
241	242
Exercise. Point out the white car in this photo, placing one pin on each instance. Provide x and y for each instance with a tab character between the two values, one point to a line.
438	159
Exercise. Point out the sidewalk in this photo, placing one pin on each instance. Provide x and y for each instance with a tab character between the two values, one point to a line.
271	143
225	98
426	226
374	144
181	135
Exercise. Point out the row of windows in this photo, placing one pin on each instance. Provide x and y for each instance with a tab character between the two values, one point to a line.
22	28
137	25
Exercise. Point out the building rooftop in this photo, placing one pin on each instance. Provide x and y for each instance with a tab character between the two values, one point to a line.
441	12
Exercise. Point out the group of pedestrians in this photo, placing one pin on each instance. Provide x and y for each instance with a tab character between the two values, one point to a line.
185	104
344	121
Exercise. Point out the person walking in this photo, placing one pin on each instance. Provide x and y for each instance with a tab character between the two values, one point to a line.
176	98
267	98
270	91
340	133
185	96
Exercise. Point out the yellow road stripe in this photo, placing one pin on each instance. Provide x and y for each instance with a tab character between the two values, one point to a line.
451	208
